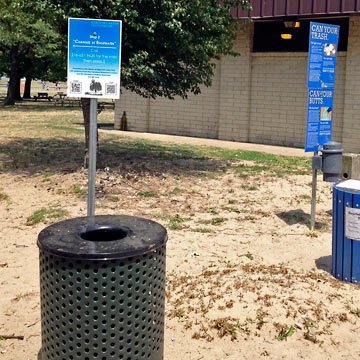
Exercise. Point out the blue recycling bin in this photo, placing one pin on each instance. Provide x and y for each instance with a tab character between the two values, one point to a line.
346	231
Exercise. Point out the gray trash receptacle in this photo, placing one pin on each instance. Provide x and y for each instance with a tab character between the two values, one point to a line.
102	288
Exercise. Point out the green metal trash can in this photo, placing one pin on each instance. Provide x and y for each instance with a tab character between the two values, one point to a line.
102	289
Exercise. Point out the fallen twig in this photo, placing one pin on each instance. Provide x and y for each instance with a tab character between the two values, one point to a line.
7	337
33	323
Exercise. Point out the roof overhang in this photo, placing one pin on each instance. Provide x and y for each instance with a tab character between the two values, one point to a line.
272	9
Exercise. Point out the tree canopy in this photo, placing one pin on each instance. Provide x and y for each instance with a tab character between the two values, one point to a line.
28	39
168	46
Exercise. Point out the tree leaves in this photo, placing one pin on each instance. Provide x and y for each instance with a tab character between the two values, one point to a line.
168	47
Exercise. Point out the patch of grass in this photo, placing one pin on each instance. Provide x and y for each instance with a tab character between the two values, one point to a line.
249	187
147	194
160	216
226	327
244	171
176	191
278	166
4	198
113	198
214	221
249	256
176	222
47	174
260	315
79	190
285	331
356	312
232	209
312	233
45	137
212	211
45	215
217	221
179	313
178	177
202	230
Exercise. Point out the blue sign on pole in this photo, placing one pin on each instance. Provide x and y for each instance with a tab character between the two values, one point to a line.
319	118
323	44
94	53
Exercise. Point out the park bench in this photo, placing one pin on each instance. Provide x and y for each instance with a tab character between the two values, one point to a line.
61	99
43	96
72	102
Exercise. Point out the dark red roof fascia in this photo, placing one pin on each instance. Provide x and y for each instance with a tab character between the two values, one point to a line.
263	9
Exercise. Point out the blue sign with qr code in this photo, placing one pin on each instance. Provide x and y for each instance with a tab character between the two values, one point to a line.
94	58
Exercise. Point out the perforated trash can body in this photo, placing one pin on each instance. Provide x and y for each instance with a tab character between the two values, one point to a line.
102	289
346	231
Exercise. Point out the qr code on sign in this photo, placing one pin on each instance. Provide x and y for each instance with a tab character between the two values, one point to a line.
75	87
110	89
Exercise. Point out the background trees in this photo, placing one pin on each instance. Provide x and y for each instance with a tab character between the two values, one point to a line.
167	46
30	42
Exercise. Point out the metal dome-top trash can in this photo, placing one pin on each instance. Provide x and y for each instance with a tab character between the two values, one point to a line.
102	289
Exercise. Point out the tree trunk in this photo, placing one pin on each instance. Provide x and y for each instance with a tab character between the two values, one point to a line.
85	104
27	90
17	87
10	98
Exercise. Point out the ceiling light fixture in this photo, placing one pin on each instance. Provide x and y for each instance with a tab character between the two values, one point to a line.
292	24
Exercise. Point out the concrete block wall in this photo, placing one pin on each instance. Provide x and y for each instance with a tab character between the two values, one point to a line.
235	87
137	111
339	97
279	98
351	126
196	116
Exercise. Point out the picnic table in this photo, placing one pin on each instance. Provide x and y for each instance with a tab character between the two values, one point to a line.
61	99
43	96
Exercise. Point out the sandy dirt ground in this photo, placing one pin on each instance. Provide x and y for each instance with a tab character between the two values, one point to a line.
246	278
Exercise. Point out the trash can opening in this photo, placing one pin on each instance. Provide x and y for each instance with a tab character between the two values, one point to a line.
104	233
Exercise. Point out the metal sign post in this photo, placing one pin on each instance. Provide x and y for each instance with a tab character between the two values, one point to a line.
92	157
313	196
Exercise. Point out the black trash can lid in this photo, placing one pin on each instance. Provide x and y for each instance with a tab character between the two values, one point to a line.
102	237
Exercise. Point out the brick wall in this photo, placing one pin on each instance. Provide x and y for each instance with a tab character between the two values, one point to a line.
351	127
235	86
255	97
196	116
279	98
